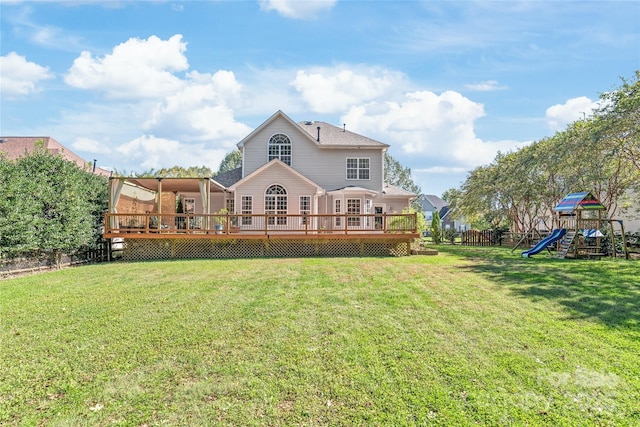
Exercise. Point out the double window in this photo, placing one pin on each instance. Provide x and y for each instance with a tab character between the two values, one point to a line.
358	168
280	148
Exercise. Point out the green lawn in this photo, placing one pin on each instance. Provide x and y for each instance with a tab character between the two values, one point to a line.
468	337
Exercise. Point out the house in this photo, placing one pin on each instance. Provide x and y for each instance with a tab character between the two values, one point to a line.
298	182
431	203
14	147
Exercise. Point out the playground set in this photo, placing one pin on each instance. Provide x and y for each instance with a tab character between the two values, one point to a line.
581	230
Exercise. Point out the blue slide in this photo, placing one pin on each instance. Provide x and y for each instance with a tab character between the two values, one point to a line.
542	244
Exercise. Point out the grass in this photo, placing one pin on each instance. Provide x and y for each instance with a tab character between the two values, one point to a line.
469	337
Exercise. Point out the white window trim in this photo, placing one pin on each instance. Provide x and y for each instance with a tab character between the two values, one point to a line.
246	220
346	170
304	211
290	144
278	220
350	216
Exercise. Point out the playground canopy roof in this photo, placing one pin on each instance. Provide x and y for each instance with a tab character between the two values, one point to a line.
578	201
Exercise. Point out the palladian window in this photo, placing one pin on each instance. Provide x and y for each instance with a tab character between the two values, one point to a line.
275	203
280	148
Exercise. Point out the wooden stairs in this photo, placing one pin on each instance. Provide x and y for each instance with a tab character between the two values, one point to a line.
566	243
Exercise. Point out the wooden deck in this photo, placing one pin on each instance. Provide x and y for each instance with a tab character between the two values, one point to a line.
172	236
259	226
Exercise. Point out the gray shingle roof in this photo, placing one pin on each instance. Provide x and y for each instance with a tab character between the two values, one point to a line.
336	136
229	178
392	190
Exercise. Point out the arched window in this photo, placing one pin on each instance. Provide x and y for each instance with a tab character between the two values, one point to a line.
275	203
280	148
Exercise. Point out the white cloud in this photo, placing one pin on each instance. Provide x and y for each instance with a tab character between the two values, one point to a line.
442	170
135	69
39	33
19	76
485	86
199	111
560	115
428	127
334	90
151	152
297	9
89	145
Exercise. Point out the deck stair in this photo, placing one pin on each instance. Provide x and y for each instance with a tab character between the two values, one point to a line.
566	243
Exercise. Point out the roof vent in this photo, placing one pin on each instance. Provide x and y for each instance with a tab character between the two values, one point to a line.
308	123
318	134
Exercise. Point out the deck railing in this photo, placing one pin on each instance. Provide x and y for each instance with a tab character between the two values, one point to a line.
260	224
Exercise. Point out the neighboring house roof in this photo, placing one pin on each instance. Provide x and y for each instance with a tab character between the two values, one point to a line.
334	136
229	178
16	146
275	163
437	203
579	201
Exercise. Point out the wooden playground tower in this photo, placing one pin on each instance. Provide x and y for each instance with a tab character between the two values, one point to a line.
581	215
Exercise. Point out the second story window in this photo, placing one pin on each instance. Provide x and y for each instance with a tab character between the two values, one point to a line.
280	148
357	168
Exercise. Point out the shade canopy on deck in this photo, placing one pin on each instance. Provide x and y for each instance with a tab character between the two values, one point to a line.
579	201
181	185
155	187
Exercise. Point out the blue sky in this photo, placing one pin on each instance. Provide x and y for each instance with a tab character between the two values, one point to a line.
151	84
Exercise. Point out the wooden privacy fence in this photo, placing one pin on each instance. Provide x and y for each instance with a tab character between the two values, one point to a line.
49	260
480	238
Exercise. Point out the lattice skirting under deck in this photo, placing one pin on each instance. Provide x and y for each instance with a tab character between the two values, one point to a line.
152	249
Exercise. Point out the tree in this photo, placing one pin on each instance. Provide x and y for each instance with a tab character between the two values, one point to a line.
620	119
597	154
171	172
182	172
49	205
231	161
436	228
398	175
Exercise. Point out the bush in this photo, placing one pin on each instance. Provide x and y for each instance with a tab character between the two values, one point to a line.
436	228
450	235
49	204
